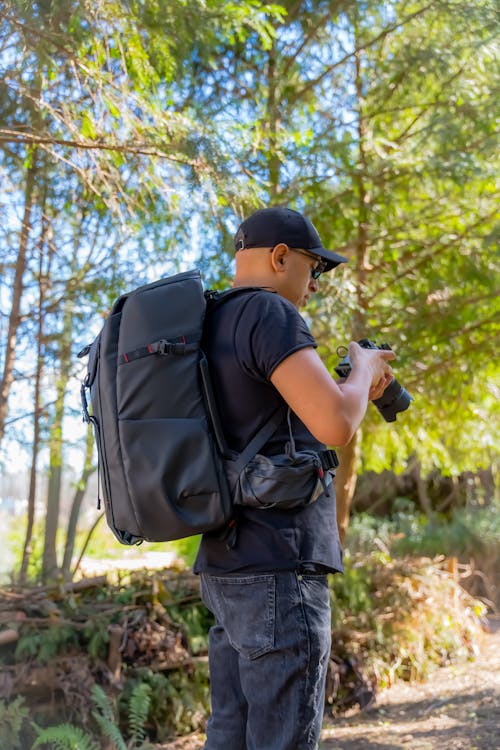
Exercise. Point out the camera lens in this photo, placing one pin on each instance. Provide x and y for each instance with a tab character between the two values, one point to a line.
394	399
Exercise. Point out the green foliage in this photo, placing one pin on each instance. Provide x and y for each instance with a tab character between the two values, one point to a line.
189	697
468	533
65	737
105	717
45	645
187	549
140	703
195	622
180	699
70	737
137	708
13	715
15	542
97	635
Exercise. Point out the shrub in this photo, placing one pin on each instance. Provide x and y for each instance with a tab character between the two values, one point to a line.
401	618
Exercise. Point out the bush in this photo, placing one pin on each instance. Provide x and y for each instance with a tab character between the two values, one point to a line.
401	618
470	535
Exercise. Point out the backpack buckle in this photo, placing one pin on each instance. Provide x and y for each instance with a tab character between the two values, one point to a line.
164	347
329	460
85	406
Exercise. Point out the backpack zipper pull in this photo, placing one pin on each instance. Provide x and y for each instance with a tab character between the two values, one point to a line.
98	485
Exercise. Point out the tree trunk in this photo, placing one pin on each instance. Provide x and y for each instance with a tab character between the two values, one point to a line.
362	246
49	561
76	505
423	497
36	419
345	482
17	291
347	472
273	124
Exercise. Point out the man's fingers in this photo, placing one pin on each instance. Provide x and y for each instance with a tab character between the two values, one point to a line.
376	391
386	354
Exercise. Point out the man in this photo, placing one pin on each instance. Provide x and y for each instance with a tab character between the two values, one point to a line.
269	648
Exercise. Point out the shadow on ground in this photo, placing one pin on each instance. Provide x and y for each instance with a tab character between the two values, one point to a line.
458	708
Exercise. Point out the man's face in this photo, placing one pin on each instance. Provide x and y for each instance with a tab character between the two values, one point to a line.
298	284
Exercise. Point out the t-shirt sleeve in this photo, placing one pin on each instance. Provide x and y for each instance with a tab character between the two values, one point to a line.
269	330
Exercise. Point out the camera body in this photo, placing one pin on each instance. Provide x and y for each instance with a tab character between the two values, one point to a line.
394	399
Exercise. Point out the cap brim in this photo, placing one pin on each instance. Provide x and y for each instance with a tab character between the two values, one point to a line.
333	259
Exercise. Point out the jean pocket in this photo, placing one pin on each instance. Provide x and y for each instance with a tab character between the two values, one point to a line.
245	607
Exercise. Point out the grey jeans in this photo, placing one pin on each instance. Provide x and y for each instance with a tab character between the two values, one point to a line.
268	655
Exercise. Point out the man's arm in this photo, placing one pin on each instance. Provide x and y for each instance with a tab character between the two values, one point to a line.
332	412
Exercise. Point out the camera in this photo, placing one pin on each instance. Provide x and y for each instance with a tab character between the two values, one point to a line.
394	399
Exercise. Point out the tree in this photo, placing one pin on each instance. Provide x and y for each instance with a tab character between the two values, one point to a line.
116	150
347	112
139	130
426	209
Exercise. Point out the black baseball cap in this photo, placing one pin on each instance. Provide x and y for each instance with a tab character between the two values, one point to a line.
270	226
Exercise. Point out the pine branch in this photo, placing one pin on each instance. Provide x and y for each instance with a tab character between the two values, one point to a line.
144	149
424	258
360	48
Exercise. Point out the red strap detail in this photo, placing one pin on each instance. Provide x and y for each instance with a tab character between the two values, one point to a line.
125	358
150	349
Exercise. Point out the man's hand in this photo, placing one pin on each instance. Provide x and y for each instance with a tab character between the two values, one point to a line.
376	359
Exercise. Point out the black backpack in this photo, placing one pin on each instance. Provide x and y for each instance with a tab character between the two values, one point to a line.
161	449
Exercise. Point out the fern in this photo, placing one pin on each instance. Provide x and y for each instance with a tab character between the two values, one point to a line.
105	717
140	702
69	737
65	737
45	645
102	703
110	730
12	716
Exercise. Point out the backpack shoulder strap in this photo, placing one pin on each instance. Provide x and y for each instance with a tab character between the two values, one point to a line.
258	440
214	298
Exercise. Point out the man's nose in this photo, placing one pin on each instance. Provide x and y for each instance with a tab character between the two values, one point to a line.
313	284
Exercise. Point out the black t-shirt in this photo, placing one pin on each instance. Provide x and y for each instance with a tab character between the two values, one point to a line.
245	339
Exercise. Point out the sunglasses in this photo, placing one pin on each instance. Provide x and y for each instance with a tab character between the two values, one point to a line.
319	268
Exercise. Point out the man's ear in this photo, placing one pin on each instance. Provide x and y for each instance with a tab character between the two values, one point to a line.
279	256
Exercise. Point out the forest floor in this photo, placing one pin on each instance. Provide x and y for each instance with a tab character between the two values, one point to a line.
457	708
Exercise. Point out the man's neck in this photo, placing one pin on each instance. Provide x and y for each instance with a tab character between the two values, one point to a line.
253	280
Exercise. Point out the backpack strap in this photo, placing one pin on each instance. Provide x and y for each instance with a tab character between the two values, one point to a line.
259	440
230	533
214	299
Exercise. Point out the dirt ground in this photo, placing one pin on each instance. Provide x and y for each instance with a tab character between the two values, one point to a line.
458	708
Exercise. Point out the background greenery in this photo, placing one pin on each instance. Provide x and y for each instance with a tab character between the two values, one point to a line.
135	136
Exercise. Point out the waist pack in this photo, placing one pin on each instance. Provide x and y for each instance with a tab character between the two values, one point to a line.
286	481
279	481
165	471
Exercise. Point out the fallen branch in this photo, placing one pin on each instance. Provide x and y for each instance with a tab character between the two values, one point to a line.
9	635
